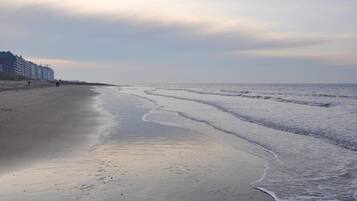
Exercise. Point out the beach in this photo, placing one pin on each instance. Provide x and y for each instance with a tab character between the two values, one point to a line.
154	100
43	123
97	143
305	131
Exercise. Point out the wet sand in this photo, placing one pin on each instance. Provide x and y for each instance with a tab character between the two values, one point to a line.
133	159
44	123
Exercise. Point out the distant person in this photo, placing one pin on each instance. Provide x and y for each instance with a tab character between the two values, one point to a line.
57	84
28	83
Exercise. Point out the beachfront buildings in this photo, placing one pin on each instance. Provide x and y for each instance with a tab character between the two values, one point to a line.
11	64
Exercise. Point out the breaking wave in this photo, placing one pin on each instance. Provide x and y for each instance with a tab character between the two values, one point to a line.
351	145
243	94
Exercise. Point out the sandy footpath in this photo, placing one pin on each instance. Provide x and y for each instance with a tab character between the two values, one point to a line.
43	123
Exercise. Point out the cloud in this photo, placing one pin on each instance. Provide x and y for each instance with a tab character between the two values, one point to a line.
143	36
71	37
52	61
328	57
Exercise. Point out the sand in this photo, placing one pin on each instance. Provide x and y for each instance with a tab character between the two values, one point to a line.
42	123
47	152
7	85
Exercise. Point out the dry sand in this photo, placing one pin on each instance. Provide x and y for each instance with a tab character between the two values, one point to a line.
6	85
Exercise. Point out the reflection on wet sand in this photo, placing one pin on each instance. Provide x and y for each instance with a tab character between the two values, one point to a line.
143	170
174	164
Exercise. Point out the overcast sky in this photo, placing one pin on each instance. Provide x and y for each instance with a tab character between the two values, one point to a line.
145	41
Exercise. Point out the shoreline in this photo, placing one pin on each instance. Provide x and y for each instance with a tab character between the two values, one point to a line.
133	158
224	135
271	194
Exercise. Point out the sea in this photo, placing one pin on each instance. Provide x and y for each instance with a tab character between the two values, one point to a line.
308	132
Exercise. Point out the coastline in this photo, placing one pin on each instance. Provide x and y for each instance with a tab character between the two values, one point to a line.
242	117
244	175
134	159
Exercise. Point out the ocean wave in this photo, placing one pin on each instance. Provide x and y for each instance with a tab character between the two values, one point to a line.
333	96
316	171
326	95
267	149
226	131
301	102
310	95
237	92
329	137
244	95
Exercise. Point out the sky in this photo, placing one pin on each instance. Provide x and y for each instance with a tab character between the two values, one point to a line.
186	41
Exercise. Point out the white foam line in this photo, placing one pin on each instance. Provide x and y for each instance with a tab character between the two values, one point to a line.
144	117
265	123
266	167
271	193
107	119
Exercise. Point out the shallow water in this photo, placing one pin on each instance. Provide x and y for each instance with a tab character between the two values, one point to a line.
310	130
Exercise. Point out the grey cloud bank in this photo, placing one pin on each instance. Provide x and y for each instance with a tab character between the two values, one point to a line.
124	48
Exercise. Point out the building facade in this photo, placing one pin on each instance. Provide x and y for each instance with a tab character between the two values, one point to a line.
12	64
